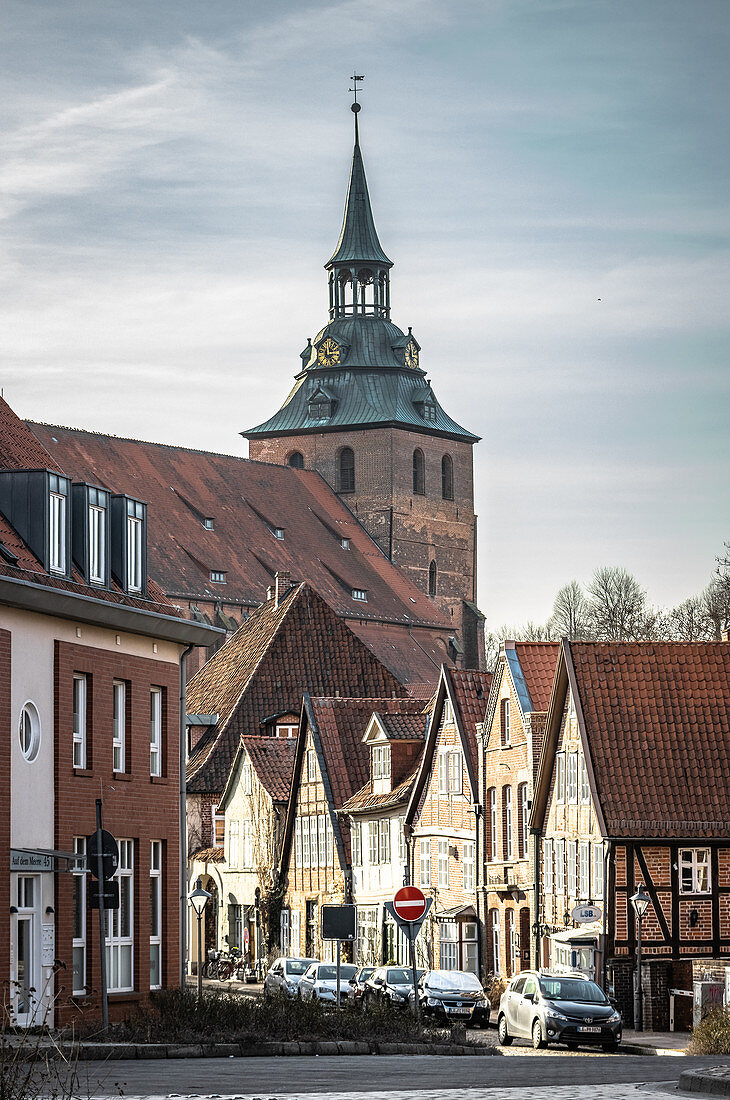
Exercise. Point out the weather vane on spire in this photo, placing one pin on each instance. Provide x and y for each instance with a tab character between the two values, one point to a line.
355	78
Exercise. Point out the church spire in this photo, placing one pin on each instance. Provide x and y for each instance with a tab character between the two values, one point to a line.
359	269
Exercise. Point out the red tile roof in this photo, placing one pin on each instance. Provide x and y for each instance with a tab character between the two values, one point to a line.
470	692
657	719
265	668
405	727
246	500
273	761
208	855
538	660
19	447
365	800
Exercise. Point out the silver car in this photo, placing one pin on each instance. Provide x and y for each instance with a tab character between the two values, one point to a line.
284	976
557	1008
320	982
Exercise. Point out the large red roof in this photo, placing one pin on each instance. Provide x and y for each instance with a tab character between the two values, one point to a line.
657	719
470	692
538	660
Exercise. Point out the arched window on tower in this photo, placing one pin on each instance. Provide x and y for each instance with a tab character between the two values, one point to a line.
296	459
347	470
447	478
432	579
419	472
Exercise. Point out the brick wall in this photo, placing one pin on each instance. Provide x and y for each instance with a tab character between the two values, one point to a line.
6	732
136	806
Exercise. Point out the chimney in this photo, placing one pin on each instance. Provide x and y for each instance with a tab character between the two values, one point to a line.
282	584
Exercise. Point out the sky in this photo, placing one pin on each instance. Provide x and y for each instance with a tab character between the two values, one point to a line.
550	178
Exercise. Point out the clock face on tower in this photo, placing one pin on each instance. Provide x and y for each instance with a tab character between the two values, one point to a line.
328	352
411	355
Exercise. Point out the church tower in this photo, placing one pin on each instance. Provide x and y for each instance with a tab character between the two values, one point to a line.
364	415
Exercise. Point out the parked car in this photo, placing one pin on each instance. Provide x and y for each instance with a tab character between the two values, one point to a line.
357	984
454	996
319	983
284	976
388	985
557	1008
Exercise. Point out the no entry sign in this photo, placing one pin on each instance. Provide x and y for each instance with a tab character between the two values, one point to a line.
410	903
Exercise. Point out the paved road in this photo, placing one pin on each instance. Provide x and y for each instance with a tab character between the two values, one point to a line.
339	1076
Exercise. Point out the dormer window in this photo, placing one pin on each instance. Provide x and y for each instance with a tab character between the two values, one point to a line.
278	533
134	545
218	576
97	544
90	525
381	762
429	411
360	594
208	523
129	543
57	524
345	544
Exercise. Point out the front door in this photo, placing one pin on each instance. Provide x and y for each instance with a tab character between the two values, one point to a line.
26	992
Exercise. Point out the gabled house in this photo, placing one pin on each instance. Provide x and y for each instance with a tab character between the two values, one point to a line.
632	789
510	740
442	819
332	764
251	690
395	741
92	667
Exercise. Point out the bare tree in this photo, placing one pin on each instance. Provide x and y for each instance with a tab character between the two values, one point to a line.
715	600
571	614
689	621
618	607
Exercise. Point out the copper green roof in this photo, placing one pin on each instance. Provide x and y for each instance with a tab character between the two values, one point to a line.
358	241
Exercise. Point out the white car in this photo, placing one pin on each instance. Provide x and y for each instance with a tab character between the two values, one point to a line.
284	976
320	982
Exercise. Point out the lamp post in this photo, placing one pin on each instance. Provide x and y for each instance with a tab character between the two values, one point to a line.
640	901
198	898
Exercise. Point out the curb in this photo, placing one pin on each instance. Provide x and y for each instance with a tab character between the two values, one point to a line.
642	1048
99	1052
711	1082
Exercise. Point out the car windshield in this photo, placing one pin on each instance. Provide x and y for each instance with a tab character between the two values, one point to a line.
398	976
297	966
366	972
329	973
572	989
443	980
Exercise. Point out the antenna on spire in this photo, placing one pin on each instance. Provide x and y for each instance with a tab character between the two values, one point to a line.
355	106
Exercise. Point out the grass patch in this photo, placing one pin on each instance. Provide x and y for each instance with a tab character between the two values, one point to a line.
712	1035
175	1016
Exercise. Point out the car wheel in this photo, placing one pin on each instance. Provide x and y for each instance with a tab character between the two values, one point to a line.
610	1048
505	1039
538	1039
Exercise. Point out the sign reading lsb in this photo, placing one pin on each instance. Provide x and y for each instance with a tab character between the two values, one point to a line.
586	914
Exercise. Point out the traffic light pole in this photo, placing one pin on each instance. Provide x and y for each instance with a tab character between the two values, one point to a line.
102	940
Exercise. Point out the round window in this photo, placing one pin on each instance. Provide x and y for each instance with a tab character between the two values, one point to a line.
29	731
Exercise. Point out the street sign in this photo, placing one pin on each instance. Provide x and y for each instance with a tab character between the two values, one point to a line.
109	854
586	914
29	860
338	922
410	903
245	937
410	927
110	894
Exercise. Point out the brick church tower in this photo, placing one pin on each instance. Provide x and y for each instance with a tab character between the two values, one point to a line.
364	415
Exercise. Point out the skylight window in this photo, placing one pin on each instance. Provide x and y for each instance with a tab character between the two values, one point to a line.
218	576
208	523
345	544
278	532
360	594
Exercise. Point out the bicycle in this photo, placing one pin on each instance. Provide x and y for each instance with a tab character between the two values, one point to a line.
210	969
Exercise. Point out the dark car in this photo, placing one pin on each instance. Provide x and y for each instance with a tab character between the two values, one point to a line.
357	984
388	985
455	996
557	1008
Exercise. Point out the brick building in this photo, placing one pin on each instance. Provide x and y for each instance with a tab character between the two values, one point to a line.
442	822
510	741
92	665
364	414
632	788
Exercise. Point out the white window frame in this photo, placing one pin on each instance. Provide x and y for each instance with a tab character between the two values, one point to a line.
496	945
156	891
313	845
510	925
156	731
80	696
120	943
456	767
306	859
547	866
298	842
234	843
322	840
597	871
247	778
134	554
468	863
443	769
504	724
524	811
381	761
218	819
29	731
384	840
119	727
373	843
493	824
247	845
356	843
584	870
585	790
79	941
57	505
560	777
424	861
560	866
509	835
572	785
447	713
448	945
401	840
571	875
287	730
698	868
311	766
330	840
97	544
443	864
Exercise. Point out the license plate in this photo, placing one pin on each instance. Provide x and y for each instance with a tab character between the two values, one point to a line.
593	1030
459	1011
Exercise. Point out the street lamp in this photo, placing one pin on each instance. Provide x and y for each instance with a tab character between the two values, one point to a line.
198	898
640	901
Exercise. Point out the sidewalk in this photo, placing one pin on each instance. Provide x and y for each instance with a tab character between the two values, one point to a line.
655	1042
